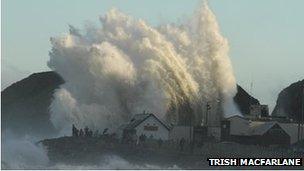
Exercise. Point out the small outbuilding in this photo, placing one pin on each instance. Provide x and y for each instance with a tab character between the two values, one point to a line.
244	131
146	124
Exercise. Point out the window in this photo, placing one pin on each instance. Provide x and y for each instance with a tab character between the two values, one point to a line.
150	128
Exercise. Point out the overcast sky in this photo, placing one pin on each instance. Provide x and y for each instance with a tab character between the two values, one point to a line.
266	36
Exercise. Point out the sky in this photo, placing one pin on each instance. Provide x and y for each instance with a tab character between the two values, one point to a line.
266	36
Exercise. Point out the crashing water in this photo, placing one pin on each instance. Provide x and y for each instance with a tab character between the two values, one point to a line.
127	66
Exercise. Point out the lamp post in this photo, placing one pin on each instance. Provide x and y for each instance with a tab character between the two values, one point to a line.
208	108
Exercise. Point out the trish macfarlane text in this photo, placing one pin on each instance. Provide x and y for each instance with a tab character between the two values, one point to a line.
255	161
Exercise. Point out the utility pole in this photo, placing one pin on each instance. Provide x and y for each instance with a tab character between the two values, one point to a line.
302	102
301	118
219	113
208	107
190	129
191	141
251	92
299	129
189	124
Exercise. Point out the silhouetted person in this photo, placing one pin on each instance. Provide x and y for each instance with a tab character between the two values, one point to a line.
81	134
182	143
142	139
90	133
74	131
86	131
105	131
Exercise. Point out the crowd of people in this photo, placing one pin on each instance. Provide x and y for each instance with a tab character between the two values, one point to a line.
144	141
86	132
141	141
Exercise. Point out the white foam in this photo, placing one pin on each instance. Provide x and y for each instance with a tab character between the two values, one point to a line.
127	66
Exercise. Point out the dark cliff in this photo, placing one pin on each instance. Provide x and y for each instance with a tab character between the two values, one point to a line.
290	100
25	104
244	100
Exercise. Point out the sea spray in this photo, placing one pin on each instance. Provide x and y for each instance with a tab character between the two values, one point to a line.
127	66
112	162
19	153
22	152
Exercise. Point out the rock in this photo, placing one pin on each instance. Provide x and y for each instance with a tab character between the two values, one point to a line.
290	100
25	104
244	100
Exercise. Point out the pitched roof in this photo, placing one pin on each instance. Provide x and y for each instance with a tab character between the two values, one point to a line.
236	116
136	120
260	128
139	118
257	128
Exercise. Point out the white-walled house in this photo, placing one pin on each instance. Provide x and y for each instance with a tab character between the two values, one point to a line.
148	125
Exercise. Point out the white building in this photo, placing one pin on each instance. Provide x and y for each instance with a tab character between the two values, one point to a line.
293	130
148	125
244	126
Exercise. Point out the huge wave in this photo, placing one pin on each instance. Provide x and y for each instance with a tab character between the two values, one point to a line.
126	66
